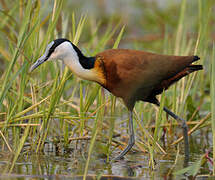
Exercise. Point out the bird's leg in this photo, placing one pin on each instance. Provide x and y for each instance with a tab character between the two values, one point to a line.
131	138
183	125
185	132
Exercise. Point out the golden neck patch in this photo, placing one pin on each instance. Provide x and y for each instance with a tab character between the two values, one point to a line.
100	70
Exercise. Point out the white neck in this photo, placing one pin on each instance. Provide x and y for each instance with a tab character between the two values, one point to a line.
72	61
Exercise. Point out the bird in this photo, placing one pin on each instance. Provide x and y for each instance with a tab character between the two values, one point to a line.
132	75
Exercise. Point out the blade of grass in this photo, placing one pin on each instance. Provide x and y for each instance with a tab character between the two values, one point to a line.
178	40
201	122
79	29
159	121
18	149
179	34
82	119
146	134
212	91
98	120
119	37
46	122
92	96
5	140
23	35
111	128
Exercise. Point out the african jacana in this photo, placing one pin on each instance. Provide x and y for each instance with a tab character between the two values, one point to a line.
130	74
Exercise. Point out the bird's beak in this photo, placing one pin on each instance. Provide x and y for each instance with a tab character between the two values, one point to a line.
41	60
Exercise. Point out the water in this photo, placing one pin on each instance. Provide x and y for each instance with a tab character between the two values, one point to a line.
70	164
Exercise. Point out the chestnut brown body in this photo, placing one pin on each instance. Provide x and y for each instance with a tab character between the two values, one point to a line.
137	75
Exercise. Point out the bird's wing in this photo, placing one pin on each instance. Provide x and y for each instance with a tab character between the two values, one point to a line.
131	69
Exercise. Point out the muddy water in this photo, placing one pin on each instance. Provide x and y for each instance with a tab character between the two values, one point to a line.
52	165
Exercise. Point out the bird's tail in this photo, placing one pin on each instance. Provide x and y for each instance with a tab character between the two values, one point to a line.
196	58
165	84
189	69
193	68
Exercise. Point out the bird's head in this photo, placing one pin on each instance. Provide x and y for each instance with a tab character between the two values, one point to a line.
58	49
82	66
